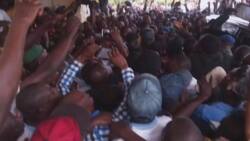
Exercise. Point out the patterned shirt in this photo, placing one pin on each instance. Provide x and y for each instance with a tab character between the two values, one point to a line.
121	112
100	132
68	76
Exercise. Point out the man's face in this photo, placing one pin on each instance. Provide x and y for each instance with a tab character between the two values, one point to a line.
230	84
81	99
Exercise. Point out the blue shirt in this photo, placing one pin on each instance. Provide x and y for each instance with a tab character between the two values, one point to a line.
214	112
173	85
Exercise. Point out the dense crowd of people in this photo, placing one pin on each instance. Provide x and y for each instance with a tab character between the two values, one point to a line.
93	73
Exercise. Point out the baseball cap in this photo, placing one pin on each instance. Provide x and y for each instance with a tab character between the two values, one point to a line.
58	129
144	98
228	39
79	114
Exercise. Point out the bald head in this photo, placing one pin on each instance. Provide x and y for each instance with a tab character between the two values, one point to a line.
36	102
182	129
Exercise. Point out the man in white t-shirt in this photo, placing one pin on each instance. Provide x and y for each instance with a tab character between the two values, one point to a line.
4	25
144	103
4	16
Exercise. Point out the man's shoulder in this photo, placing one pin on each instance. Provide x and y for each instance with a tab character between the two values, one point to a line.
164	119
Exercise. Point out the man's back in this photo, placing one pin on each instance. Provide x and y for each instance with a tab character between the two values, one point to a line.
151	131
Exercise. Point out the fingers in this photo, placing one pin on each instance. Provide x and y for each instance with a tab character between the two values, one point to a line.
40	12
33	2
115	52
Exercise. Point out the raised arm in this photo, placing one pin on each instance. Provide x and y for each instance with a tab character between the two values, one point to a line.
128	75
70	72
12	56
57	56
187	109
247	131
35	36
116	36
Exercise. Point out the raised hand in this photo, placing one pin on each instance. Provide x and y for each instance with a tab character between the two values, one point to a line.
178	25
27	10
118	59
88	52
116	36
205	89
73	24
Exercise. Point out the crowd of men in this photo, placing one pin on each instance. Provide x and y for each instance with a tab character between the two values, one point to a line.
93	73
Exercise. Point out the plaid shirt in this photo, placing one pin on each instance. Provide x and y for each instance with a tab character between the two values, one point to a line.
121	112
100	132
68	76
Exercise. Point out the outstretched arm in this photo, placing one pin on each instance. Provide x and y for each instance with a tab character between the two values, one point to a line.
187	109
12	56
116	36
247	130
70	72
128	75
56	57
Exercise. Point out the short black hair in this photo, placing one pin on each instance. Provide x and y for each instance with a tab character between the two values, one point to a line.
7	4
233	127
209	44
107	97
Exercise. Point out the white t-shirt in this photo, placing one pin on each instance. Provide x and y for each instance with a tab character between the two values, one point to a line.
153	130
27	134
4	16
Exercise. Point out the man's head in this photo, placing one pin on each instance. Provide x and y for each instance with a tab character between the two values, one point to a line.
133	40
209	44
227	41
107	97
233	127
235	84
148	37
189	45
144	98
80	99
148	62
63	128
7	4
66	122
240	54
176	62
78	113
182	129
36	102
94	73
12	128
